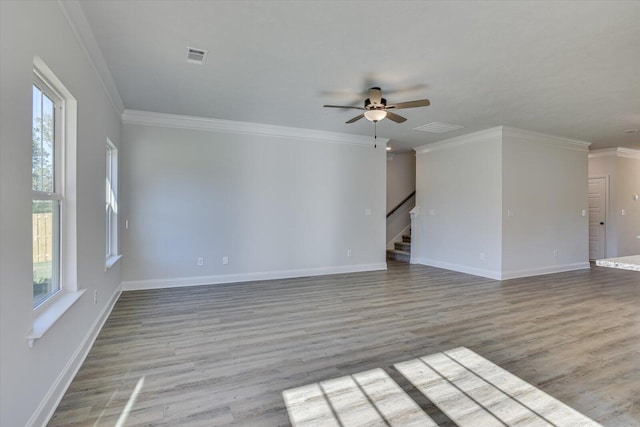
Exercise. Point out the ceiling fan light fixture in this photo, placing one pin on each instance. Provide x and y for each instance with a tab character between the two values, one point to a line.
375	115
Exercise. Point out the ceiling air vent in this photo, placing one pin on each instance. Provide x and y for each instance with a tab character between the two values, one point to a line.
437	127
196	56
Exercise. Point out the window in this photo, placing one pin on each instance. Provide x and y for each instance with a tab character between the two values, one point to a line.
111	211
47	188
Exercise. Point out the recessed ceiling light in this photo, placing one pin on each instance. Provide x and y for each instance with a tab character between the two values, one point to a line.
437	127
631	130
196	56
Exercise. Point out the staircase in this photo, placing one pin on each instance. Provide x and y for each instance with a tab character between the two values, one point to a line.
401	251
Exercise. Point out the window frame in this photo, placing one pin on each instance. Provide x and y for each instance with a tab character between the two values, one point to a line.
49	312
111	205
58	193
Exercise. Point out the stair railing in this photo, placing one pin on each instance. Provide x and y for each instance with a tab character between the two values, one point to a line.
405	200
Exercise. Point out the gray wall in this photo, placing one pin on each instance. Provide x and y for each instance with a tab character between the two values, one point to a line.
502	203
622	167
401	177
275	206
459	194
32	379
544	183
628	178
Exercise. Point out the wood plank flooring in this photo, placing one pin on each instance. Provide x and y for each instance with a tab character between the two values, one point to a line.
223	354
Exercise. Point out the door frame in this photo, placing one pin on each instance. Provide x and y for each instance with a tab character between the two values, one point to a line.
606	209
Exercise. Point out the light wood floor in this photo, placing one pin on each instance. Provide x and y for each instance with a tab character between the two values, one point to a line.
223	354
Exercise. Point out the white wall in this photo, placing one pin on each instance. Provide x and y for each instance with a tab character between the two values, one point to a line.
499	202
544	181
33	379
401	181
276	206
459	190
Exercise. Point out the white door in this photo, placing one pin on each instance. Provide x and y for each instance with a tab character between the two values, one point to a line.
597	217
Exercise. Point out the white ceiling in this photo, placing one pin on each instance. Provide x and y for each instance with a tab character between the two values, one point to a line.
565	68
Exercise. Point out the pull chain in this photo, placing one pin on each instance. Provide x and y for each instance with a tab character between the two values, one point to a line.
375	134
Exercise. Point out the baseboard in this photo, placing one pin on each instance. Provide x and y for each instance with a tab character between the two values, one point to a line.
136	285
499	275
514	274
490	274
52	399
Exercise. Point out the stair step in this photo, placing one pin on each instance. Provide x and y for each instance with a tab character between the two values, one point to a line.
403	246
398	255
406	238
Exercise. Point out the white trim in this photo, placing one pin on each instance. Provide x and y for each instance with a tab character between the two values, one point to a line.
543	138
501	132
504	275
545	270
218	125
469	138
111	261
177	282
48	316
491	274
618	152
72	10
51	400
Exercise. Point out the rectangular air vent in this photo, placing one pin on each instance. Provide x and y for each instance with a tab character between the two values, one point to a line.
196	56
437	127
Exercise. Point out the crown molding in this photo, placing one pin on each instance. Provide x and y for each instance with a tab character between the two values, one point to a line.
543	138
502	132
615	152
72	10
478	137
148	118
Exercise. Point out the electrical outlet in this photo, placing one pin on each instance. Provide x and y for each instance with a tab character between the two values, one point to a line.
95	296
623	212
481	256
200	261
367	211
584	212
348	252
225	260
555	253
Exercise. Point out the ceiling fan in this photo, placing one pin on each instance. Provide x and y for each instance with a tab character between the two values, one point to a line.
376	108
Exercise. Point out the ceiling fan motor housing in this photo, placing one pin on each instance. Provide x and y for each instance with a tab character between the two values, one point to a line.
371	106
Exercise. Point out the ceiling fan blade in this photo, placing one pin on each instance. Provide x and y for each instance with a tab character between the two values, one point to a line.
410	104
395	118
356	118
375	95
343	106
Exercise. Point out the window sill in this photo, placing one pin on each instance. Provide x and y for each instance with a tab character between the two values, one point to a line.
48	317
111	261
